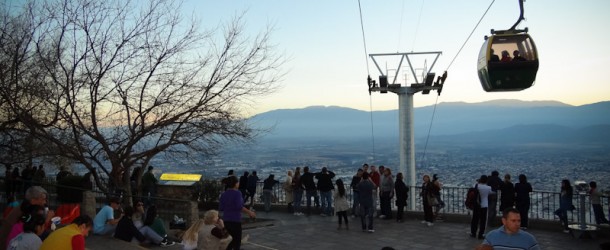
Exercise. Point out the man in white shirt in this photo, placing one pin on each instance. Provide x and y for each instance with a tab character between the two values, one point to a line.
479	213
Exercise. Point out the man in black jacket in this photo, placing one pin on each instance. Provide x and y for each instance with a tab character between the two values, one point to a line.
325	185
310	187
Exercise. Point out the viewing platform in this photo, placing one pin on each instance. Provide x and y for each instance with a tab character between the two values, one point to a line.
282	230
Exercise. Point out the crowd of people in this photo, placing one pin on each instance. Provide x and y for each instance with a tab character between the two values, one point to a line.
29	225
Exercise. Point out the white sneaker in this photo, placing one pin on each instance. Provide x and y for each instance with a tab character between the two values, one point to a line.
566	231
382	216
423	222
167	243
430	224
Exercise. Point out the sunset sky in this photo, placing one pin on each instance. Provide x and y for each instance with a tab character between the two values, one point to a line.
327	63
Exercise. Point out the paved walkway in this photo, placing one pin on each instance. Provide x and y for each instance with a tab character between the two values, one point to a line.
287	231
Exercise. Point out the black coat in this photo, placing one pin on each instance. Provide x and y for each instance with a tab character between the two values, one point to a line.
402	192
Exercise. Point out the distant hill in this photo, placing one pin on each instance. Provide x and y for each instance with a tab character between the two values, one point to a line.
499	120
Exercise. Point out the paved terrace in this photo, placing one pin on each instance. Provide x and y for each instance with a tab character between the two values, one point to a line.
281	230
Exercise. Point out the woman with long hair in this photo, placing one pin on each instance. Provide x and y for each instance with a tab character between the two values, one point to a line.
297	191
427	189
565	204
402	194
341	204
191	235
287	186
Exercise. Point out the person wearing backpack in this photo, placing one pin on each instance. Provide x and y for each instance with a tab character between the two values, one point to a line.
479	213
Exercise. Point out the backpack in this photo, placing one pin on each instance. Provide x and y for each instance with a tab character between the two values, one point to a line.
472	197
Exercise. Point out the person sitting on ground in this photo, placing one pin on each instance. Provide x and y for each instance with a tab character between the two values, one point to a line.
509	235
213	235
33	227
35	195
18	228
70	237
139	214
104	222
127	231
153	221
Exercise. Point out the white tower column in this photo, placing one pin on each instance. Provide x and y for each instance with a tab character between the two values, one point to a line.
407	142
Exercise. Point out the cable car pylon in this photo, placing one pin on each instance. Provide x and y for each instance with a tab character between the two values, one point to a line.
405	105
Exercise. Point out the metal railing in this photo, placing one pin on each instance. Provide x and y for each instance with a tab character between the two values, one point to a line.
542	203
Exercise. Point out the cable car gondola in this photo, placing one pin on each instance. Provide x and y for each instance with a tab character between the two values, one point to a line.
508	60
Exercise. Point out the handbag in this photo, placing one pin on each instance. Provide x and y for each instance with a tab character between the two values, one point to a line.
432	201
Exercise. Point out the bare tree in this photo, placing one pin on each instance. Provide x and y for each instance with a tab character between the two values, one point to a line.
120	83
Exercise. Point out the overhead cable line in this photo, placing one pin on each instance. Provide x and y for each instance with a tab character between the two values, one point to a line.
456	55
475	27
421	9
368	73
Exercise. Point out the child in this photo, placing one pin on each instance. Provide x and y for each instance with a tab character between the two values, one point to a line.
33	227
341	205
208	233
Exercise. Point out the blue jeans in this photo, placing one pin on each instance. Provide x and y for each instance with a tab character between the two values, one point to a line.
355	202
327	201
267	194
308	195
298	198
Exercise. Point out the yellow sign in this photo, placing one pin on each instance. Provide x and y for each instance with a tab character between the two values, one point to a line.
180	177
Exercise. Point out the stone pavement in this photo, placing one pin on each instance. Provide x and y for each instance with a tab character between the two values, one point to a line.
286	231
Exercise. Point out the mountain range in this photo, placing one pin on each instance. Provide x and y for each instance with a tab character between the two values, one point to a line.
495	122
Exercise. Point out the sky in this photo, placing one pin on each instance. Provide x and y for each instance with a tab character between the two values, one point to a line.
327	63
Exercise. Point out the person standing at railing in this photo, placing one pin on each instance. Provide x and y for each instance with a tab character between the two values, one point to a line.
427	194
310	187
479	213
325	186
495	183
243	183
251	189
287	186
355	194
522	199
386	193
507	196
297	191
366	189
27	175
40	176
268	191
149	185
437	193
565	204
376	179
598	210
402	194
